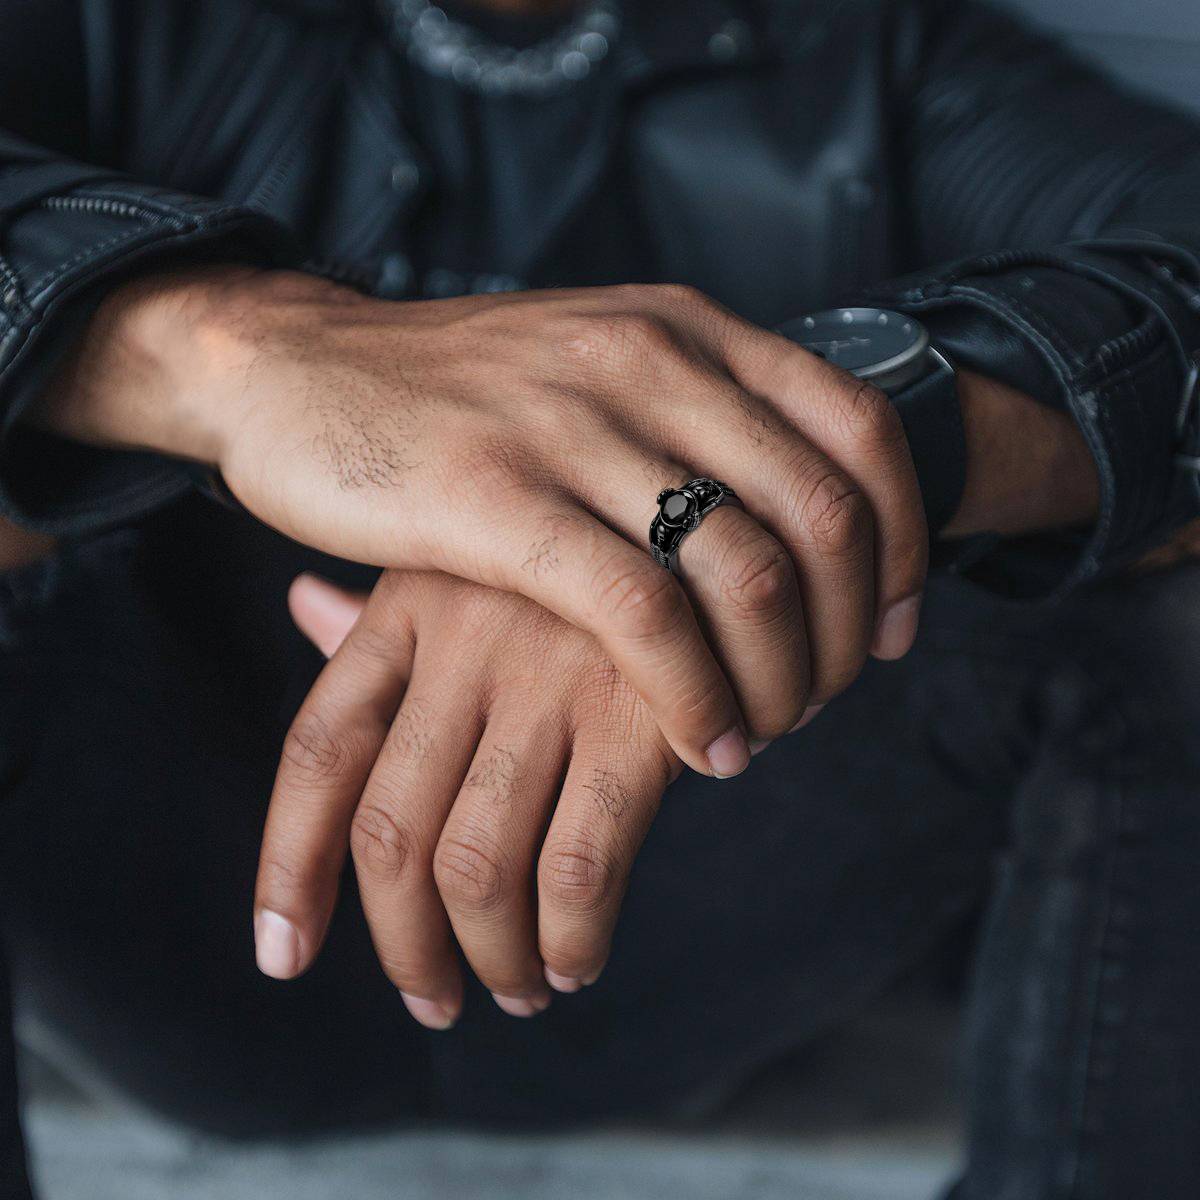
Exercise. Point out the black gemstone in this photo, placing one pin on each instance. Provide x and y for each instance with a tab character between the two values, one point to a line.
675	508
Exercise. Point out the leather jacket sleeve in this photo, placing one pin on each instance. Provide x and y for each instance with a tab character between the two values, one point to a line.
1066	214
69	231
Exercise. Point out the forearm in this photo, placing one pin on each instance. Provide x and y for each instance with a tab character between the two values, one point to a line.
1028	467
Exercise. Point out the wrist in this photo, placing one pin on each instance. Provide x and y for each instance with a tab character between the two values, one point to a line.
153	369
1028	466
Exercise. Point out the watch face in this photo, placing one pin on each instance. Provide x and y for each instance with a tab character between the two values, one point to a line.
885	347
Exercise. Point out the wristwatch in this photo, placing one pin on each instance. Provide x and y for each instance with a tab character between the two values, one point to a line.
893	351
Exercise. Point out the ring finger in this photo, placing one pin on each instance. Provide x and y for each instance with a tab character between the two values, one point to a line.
742	584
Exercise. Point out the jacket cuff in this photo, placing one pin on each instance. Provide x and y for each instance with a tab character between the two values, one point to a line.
66	247
1100	330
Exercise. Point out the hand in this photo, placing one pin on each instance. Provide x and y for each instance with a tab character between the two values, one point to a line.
519	441
493	775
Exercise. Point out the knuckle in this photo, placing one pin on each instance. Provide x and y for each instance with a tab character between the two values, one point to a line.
381	847
577	877
577	338
838	518
637	600
314	753
639	335
469	875
763	581
872	418
683	297
622	340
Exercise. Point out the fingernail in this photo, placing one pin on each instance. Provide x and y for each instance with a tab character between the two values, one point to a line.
519	1006
430	1013
757	747
276	945
810	712
729	754
562	983
897	629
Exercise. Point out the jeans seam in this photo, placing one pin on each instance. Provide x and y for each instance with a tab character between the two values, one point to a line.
1090	1084
1102	1016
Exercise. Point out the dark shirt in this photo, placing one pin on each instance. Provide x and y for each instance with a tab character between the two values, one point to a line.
500	170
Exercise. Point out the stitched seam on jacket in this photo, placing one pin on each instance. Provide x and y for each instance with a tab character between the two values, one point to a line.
10	278
49	278
57	272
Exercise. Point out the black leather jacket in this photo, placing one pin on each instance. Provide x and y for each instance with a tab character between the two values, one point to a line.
1046	223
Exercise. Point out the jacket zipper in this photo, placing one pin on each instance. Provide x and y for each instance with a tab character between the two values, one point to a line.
103	205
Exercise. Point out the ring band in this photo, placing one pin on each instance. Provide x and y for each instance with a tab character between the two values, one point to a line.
680	511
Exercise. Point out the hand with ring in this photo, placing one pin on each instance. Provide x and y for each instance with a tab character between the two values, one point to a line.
519	441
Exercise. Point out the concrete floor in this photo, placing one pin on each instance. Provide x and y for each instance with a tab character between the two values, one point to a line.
868	1115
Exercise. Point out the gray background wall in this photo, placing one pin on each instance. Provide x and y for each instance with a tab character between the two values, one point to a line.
1153	43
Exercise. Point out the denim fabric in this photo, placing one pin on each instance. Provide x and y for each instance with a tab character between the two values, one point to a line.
1043	762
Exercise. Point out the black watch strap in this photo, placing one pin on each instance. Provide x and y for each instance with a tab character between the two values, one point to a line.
932	418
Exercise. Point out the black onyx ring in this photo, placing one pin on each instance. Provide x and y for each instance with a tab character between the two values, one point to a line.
680	511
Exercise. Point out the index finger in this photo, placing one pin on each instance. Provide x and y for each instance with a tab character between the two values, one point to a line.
327	757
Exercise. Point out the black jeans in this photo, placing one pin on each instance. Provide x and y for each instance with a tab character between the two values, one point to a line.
1044	762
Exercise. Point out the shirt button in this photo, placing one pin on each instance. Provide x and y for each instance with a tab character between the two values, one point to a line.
395	276
405	176
730	42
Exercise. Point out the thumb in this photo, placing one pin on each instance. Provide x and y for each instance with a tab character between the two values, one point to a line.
323	612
